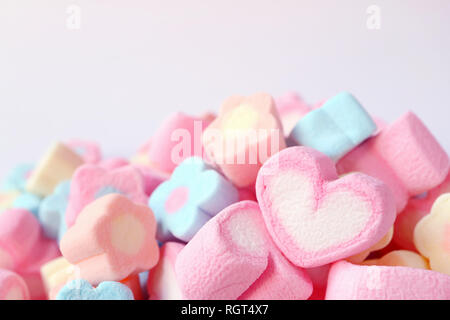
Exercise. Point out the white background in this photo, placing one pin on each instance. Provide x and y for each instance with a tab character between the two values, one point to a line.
133	62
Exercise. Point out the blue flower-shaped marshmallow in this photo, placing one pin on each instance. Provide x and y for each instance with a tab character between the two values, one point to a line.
28	201
80	289
336	128
53	210
194	194
17	178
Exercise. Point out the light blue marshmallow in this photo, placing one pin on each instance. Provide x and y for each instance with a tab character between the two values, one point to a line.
336	128
208	193
28	201
52	212
17	178
80	289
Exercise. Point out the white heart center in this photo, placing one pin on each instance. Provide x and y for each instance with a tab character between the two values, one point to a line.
341	215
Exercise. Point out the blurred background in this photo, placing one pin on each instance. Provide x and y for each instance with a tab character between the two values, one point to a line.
111	70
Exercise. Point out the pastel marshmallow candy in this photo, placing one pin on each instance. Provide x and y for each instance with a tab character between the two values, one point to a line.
57	165
141	157
231	253
28	201
280	281
44	250
113	163
244	135
226	256
88	150
16	180
417	208
404	155
7	199
178	138
403	258
52	211
81	289
347	281
316	218
91	182
336	128
291	108
384	242
432	235
162	283
111	239
152	178
194	194
57	272
319	278
19	232
12	286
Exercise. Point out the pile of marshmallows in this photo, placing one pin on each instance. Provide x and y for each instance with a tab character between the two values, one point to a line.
267	200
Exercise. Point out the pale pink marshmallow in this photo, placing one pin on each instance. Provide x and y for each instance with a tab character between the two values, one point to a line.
90	182
226	256
19	233
179	137
319	279
113	163
404	155
162	282
152	178
291	108
347	281
90	151
280	281
12	286
314	217
232	257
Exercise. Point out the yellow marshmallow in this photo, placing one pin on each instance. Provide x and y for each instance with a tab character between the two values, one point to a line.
56	273
358	258
57	165
401	258
432	235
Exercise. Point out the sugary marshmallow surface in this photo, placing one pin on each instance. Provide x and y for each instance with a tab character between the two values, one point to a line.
404	155
91	182
291	108
246	132
335	128
316	218
88	150
232	257
194	194
57	165
432	235
347	281
112	239
12	286
403	258
162	282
